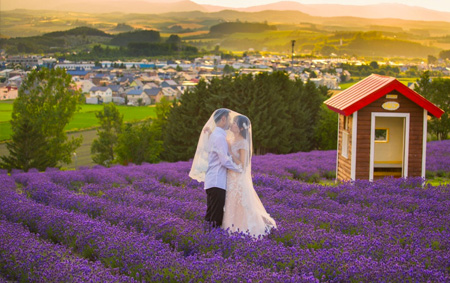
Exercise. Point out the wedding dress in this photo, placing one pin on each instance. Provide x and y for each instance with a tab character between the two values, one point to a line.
244	211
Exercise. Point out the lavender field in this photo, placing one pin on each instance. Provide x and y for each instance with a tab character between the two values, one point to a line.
145	224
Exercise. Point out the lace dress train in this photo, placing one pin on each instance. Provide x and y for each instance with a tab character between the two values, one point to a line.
244	211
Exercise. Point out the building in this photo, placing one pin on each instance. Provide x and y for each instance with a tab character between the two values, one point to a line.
25	61
382	129
104	94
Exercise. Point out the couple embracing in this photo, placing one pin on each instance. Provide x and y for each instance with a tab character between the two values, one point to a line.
223	162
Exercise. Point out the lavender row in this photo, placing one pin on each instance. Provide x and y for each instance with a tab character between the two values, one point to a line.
438	156
25	257
358	224
132	253
312	241
121	206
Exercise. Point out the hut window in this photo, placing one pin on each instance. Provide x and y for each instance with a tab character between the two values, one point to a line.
381	135
344	150
346	123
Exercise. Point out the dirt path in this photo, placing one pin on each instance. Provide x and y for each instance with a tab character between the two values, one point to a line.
83	153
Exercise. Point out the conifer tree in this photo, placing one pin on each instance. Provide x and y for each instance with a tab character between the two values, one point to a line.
283	113
437	91
185	122
46	102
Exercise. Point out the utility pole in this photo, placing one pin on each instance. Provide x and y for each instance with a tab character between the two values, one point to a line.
292	56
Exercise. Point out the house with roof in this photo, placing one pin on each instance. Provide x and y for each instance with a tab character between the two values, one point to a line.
170	93
137	96
155	94
150	85
169	83
136	83
85	85
14	81
8	92
117	90
103	93
382	129
100	79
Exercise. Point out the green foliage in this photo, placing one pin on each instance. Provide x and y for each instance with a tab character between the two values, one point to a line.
138	143
111	122
326	129
123	27
383	46
233	27
123	39
184	122
283	113
54	41
437	91
47	101
163	109
78	31
173	38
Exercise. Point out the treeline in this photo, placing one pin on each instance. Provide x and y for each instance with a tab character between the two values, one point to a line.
135	49
59	41
127	44
284	114
125	38
233	27
83	31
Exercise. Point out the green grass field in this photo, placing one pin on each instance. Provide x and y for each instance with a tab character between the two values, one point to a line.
85	119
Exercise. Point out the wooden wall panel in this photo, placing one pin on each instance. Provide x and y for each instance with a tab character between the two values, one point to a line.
415	138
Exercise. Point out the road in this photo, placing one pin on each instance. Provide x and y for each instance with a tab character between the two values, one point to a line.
83	153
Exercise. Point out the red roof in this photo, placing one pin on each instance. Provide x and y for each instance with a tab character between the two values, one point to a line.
372	88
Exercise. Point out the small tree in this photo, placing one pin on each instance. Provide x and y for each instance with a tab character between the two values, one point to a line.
137	144
111	122
437	91
46	102
162	114
326	129
173	38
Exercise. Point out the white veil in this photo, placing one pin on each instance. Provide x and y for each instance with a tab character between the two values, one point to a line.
200	161
259	222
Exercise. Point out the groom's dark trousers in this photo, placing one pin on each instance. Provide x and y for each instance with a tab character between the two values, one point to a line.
215	202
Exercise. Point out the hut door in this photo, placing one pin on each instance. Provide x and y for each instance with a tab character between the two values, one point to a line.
389	145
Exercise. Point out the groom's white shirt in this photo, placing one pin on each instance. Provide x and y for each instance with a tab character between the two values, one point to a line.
219	161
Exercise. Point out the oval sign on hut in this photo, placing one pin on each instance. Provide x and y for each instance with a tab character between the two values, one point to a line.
391	105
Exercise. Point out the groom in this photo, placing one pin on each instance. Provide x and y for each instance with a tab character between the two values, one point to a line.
219	161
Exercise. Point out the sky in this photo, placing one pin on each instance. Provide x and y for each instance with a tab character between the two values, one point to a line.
438	5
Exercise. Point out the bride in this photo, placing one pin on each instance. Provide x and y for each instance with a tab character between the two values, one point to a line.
243	211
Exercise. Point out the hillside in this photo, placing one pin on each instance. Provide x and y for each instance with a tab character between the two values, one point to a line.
395	37
377	11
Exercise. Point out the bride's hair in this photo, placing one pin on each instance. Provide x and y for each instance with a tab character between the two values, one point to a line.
243	123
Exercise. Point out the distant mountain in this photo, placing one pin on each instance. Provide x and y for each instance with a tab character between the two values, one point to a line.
104	6
379	11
